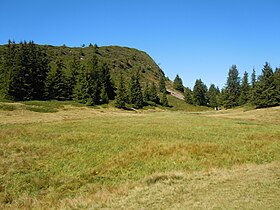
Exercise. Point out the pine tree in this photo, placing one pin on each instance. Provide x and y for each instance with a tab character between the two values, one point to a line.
8	66
164	100
253	78
245	90
232	90
75	70
212	96
106	80
19	86
136	96
162	87
93	82
104	99
121	94
199	93
178	84
188	95
146	93
154	94
264	93
277	86
57	86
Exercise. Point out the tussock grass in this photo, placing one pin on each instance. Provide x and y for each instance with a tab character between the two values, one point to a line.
81	157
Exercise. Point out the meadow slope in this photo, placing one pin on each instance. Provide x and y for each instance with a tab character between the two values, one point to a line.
79	157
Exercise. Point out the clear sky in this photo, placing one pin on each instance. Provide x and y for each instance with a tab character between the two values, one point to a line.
192	38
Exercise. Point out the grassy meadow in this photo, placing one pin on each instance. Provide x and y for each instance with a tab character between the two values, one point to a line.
67	156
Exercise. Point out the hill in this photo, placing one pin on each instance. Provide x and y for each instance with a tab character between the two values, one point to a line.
127	60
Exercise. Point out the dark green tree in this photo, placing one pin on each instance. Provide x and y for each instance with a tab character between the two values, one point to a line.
162	87
164	100
146	93
136	96
232	89
213	95
8	66
154	94
57	86
188	95
264	93
104	99
121	96
253	78
106	81
245	90
277	86
199	93
75	71
178	84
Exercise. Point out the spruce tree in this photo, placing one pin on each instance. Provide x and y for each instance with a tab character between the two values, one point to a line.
277	86
245	90
178	84
264	93
105	79
121	96
19	87
57	86
75	70
146	93
93	82
154	94
188	96
136	96
8	66
253	78
162	87
199	93
104	99
164	100
232	89
212	96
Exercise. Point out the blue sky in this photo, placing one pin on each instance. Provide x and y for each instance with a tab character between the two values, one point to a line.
192	38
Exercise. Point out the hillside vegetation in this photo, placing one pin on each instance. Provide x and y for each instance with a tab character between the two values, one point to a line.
77	157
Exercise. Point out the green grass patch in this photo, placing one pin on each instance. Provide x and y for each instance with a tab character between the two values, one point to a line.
46	162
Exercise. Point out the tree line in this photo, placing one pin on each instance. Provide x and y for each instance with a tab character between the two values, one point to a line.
262	91
28	73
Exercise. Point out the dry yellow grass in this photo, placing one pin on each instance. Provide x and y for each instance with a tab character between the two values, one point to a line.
242	187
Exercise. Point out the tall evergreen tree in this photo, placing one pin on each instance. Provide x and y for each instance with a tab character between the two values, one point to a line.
8	66
264	93
57	86
19	86
277	86
199	93
136	97
164	100
93	83
212	96
106	80
154	94
121	96
75	70
178	84
253	78
245	90
232	90
162	87
188	95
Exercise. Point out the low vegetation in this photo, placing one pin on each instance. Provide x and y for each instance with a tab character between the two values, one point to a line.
82	157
